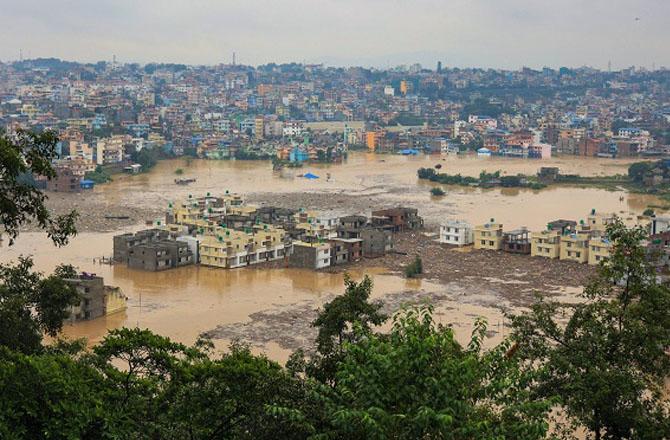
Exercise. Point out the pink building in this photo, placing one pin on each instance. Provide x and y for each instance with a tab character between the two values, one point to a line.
540	151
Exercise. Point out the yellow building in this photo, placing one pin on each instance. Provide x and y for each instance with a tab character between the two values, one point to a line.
598	222
575	247
230	248
545	244
599	250
115	300
489	236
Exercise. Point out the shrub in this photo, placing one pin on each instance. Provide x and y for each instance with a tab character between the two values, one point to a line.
415	268
437	191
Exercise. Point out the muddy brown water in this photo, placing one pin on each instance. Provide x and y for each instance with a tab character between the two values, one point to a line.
367	181
271	308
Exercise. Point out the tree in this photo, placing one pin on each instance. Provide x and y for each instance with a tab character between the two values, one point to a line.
419	382
336	321
608	363
22	153
637	171
49	396
31	305
414	268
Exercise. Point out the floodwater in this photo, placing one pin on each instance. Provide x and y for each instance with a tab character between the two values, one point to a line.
182	303
383	180
273	307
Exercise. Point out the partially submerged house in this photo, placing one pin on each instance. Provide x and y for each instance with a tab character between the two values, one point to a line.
489	236
517	241
457	233
310	255
397	219
546	244
96	299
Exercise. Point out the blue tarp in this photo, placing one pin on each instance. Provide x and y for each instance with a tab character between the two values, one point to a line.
410	151
310	176
86	184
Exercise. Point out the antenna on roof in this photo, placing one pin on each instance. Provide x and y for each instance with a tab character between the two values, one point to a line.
233	58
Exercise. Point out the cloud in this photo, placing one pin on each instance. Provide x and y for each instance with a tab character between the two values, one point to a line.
489	33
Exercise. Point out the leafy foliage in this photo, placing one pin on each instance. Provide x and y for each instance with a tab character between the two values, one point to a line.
336	323
414	268
22	153
437	191
418	382
608	363
31	305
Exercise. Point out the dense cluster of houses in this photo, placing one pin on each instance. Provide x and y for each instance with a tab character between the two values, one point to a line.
224	232
583	242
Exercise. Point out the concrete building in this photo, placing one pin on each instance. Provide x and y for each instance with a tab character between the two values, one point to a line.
96	299
575	247
345	250
110	150
160	255
397	219
659	224
599	250
350	226
310	255
230	248
489	236
456	232
64	181
376	242
546	244
517	241
125	242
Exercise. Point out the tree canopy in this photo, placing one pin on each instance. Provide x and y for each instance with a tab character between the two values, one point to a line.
27	153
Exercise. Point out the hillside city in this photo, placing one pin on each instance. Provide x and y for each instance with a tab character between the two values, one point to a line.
107	113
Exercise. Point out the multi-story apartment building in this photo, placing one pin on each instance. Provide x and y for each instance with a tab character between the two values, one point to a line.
456	232
546	244
575	247
489	236
599	250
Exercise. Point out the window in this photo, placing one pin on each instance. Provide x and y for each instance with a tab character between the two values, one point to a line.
483	242
578	254
491	243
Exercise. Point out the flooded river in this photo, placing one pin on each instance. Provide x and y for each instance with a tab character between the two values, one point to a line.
273	307
368	181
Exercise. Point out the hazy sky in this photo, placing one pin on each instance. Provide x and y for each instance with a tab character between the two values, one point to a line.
488	33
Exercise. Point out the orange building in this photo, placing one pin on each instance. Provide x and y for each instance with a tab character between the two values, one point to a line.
374	140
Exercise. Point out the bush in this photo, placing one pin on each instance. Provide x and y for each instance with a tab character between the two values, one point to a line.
437	191
415	268
179	171
648	212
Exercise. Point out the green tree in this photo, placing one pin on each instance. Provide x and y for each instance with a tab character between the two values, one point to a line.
31	305
414	268
22	153
49	396
336	324
419	382
637	171
608	363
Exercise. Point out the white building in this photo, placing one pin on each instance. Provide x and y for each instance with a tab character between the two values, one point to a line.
293	128
456	232
389	91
